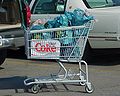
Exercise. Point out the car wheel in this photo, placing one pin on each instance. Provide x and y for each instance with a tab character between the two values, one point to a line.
3	54
87	56
35	88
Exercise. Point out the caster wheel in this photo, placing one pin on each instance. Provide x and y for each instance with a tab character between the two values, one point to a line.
82	78
35	89
89	88
82	83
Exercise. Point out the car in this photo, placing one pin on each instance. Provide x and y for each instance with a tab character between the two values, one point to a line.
11	33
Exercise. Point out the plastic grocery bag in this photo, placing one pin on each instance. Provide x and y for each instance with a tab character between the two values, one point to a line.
49	24
37	25
80	17
66	36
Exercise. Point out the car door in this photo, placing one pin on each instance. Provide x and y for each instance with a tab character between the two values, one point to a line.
106	32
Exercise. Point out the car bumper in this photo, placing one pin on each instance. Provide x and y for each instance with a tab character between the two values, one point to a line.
6	42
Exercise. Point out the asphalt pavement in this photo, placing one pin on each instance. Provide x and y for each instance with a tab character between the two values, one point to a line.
103	73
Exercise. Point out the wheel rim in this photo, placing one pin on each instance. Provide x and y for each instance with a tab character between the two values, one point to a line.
2	55
89	90
35	89
82	83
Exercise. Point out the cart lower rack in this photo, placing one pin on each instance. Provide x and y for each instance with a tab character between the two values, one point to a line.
65	44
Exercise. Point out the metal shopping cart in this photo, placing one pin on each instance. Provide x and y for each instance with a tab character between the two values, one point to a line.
65	44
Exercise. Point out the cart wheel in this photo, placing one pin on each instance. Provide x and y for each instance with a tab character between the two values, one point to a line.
90	88
88	54
82	83
35	88
82	78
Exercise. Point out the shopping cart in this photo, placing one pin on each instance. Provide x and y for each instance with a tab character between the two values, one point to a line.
65	44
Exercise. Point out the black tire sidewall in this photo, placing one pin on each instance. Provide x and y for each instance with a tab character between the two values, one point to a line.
87	56
3	54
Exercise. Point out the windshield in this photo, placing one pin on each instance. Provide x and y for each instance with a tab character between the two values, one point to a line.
49	7
101	3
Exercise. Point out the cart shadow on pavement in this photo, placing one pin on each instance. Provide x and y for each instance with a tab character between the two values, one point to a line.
17	83
14	83
1	68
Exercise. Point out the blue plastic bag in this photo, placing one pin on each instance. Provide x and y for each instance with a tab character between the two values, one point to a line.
49	24
70	17
61	20
37	27
80	17
67	37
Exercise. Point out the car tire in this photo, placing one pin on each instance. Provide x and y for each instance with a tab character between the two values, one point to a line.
3	54
87	56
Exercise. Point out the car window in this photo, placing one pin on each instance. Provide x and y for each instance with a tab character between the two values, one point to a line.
29	1
116	2
103	3
49	6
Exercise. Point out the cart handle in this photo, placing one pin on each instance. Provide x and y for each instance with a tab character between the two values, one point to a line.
57	29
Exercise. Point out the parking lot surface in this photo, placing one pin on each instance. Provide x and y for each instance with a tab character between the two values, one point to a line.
105	78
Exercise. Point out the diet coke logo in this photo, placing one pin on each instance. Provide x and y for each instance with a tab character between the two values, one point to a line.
45	47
